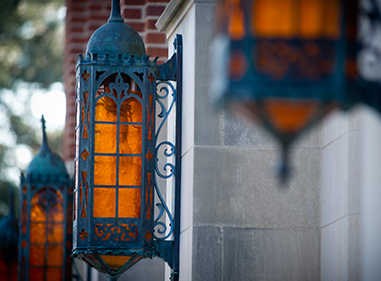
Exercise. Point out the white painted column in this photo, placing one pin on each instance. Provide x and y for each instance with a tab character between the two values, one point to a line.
372	196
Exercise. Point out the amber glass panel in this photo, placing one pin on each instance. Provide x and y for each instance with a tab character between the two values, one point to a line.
289	18
320	18
274	18
131	110
37	233
130	139
37	274
85	132
130	170
236	19
106	110
290	116
105	138
55	233
104	202
129	202
56	213
37	255
104	170
38	212
115	262
54	274
55	256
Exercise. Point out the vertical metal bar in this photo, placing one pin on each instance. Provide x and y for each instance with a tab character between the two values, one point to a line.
179	91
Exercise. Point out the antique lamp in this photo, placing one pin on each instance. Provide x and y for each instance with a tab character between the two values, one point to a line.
116	152
287	63
9	233
46	211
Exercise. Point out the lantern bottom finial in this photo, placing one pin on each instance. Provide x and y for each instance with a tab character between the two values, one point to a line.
112	278
284	168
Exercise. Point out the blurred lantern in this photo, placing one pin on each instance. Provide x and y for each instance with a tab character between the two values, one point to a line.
9	233
286	63
115	163
46	211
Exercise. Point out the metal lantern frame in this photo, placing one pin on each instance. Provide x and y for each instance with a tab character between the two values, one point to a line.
142	236
253	68
42	188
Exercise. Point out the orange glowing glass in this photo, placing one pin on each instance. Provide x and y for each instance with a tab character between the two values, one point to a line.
55	256
130	139
115	262
105	138
104	170
290	116
289	18
131	110
236	19
106	110
129	203
104	202
130	171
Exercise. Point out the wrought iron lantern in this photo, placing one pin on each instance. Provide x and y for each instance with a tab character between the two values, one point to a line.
116	151
287	63
46	211
9	233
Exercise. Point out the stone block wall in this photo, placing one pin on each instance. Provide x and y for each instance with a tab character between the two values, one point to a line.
237	222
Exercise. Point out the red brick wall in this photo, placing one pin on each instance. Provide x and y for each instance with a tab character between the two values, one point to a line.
83	17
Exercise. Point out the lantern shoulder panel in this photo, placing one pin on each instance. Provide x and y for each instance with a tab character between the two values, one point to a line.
115	38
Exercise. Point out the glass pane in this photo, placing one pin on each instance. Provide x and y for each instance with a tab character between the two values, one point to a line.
105	138
106	110
130	139
38	212
37	233
115	262
55	256
104	202
55	233
129	202
131	111
54	274
56	213
130	170
37	255
104	170
37	274
290	116
274	18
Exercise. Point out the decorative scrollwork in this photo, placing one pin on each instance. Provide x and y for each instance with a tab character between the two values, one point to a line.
116	232
168	167
164	88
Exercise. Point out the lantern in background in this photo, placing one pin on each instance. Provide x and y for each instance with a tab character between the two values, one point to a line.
9	233
46	211
287	63
115	163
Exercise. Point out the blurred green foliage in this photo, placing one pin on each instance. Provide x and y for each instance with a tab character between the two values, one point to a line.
31	53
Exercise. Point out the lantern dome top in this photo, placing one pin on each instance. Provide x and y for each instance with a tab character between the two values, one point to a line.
46	162
115	37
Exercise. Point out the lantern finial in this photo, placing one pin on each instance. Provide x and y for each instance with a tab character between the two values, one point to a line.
44	146
115	15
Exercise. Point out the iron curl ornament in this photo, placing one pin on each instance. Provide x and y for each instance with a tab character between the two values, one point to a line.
117	152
